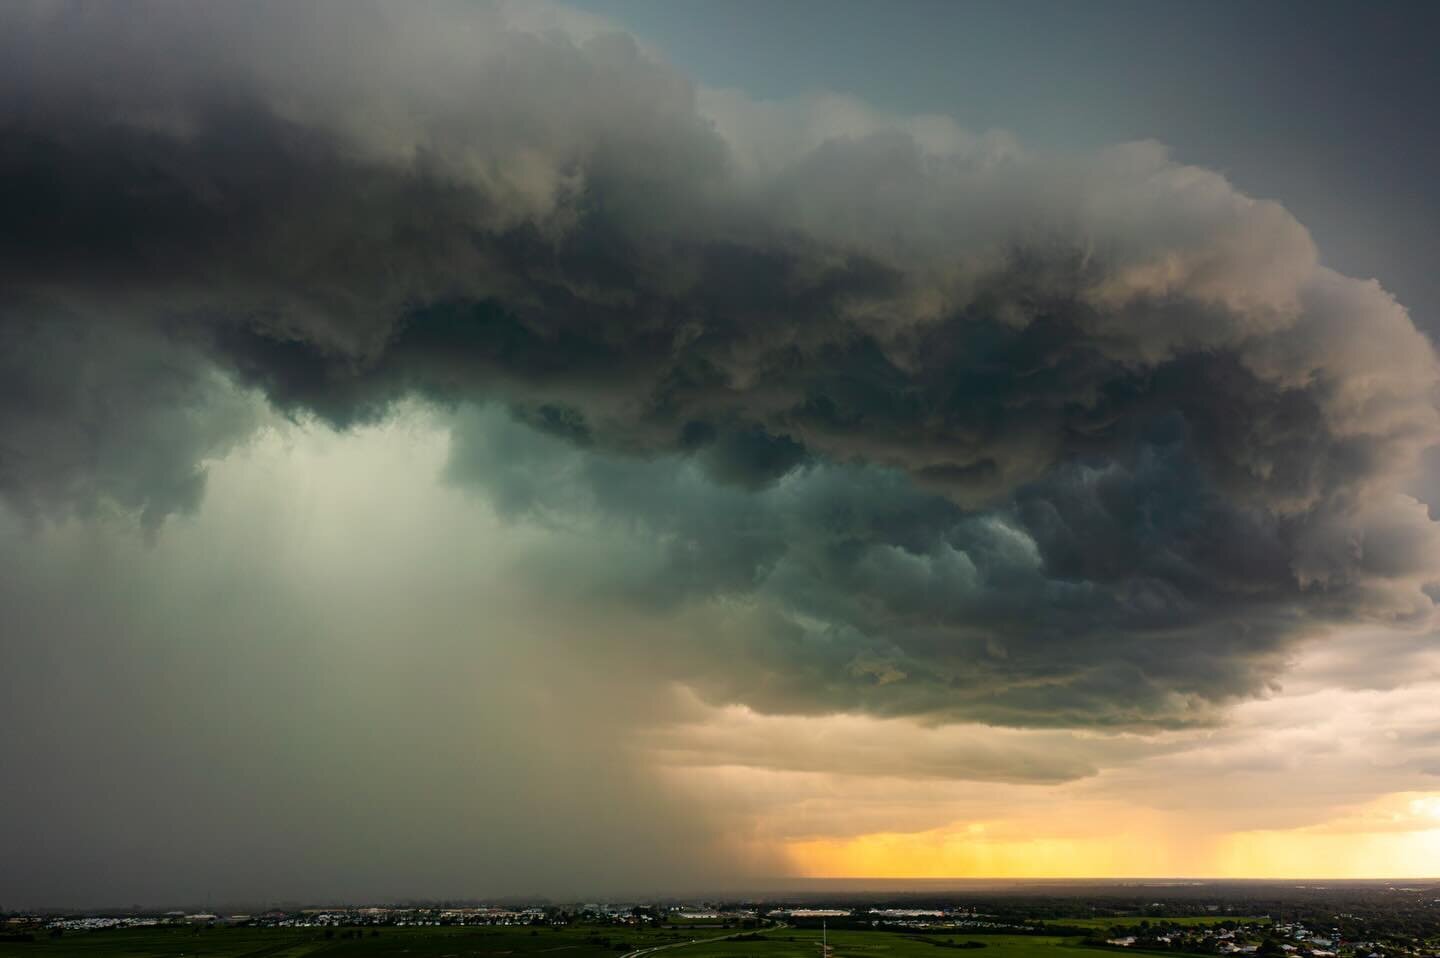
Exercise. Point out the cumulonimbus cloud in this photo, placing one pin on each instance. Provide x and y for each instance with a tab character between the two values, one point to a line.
993	435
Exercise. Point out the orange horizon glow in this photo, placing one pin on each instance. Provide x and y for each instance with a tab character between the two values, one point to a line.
1397	835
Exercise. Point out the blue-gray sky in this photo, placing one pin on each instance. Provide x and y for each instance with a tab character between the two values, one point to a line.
1329	107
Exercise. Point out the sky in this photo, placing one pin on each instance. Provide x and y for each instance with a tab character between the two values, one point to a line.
462	450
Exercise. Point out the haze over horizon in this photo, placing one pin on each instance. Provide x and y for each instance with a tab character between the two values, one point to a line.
468	449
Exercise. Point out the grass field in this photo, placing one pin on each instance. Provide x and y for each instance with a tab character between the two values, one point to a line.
797	943
572	942
475	942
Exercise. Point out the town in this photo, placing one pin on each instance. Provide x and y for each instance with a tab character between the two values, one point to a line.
1268	920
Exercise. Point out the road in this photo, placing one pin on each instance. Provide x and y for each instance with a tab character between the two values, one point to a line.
645	952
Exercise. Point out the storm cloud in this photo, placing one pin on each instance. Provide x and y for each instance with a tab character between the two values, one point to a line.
879	414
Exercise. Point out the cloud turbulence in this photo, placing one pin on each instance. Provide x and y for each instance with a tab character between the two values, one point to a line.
879	416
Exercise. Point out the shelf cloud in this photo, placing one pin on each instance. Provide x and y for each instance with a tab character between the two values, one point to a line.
884	415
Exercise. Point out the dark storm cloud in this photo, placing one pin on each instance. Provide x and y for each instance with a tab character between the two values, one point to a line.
964	431
1108	593
95	418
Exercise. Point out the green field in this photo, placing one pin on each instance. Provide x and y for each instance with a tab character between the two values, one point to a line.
572	942
797	943
475	942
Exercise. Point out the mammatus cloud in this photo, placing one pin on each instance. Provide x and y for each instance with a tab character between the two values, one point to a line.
889	417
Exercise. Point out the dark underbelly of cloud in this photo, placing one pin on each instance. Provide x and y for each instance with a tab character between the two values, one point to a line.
941	427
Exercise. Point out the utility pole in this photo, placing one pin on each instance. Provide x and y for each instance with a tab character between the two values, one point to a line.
824	948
